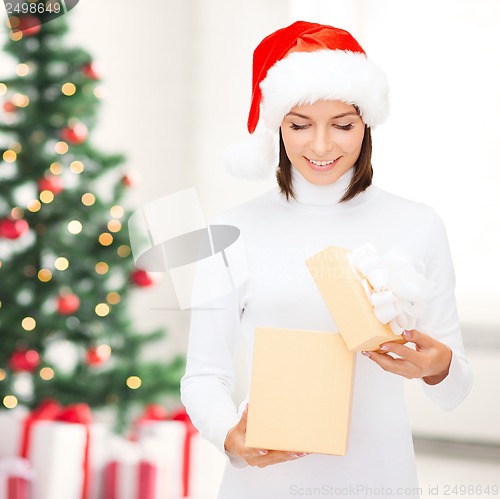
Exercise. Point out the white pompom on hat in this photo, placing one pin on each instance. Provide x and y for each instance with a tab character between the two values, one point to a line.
301	64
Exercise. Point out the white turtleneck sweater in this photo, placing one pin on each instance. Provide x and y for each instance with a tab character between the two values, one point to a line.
278	236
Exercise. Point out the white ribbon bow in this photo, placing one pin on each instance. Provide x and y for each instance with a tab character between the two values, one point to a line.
394	284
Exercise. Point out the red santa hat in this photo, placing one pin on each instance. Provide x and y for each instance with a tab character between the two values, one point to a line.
301	64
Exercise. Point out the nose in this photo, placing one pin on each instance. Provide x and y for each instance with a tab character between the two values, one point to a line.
321	142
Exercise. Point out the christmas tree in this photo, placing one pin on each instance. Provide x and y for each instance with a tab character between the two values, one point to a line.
65	262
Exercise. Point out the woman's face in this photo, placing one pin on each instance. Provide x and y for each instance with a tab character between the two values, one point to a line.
323	140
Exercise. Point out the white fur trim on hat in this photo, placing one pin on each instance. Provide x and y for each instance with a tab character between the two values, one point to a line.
306	77
255	158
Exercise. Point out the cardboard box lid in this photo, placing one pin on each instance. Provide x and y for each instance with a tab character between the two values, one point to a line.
347	301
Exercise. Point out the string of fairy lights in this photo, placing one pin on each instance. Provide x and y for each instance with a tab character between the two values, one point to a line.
49	187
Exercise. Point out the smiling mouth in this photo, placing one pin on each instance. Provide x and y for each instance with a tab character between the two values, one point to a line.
323	163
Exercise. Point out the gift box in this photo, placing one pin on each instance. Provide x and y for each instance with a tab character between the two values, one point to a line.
136	470
372	298
58	455
56	440
11	430
194	465
66	452
300	391
75	463
171	435
15	478
68	460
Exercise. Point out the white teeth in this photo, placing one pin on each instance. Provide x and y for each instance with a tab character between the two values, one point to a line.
321	163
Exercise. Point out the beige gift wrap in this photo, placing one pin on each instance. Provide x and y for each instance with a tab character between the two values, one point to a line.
348	302
300	392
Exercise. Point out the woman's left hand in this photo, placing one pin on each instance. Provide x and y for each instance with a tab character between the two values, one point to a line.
430	360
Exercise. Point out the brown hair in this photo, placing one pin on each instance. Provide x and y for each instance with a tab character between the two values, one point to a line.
363	171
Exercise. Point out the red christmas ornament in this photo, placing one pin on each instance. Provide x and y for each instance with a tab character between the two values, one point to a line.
24	360
75	134
29	25
51	183
142	278
131	179
13	229
98	355
90	71
9	107
67	304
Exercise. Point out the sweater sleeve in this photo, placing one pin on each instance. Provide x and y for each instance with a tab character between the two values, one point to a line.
441	320
209	379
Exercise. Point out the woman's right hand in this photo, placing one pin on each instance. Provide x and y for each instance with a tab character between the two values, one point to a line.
235	444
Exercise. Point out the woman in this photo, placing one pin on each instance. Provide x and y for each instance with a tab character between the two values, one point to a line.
317	95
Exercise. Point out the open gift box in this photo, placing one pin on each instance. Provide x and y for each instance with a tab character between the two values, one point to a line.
302	381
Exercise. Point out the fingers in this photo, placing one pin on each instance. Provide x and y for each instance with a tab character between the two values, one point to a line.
254	456
421	340
431	358
407	360
274	457
396	366
402	351
242	428
235	444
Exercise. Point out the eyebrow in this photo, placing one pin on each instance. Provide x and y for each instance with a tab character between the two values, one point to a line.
350	113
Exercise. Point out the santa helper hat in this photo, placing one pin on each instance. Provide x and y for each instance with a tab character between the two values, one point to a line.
301	64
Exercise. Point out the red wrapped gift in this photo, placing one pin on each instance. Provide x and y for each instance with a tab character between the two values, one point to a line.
195	466
56	441
15	478
135	471
175	431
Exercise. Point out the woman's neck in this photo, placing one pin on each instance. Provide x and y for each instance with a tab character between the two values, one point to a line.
324	197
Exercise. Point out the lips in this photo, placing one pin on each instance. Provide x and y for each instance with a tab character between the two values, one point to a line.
321	165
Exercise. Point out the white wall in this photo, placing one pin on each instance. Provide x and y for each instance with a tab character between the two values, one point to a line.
229	32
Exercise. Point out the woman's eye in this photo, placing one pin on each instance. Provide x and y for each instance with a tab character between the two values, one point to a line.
294	126
350	126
